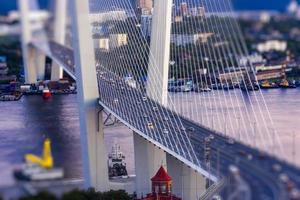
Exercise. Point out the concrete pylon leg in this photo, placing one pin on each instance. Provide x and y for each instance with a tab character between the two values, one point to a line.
27	51
59	34
56	72
30	65
187	183
148	159
40	65
157	84
91	127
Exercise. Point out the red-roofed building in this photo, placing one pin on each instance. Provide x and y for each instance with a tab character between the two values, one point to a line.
161	187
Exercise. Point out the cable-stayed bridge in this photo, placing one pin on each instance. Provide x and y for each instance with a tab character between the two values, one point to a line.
201	145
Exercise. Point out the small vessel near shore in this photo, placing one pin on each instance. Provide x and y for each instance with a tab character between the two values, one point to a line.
39	168
116	163
46	93
268	85
286	84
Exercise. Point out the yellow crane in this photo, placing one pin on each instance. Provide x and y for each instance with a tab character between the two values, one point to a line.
46	161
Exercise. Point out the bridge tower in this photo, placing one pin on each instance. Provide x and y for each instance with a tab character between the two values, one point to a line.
33	61
149	158
187	183
59	34
91	122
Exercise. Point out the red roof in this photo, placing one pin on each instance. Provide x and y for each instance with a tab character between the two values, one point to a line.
161	175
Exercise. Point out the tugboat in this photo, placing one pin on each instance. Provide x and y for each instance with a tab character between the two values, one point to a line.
46	93
116	163
249	87
268	85
39	168
285	84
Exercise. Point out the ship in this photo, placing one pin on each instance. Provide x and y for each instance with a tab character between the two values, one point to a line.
249	87
286	84
39	168
46	93
268	85
116	163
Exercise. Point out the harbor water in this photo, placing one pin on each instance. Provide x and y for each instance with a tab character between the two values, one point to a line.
25	123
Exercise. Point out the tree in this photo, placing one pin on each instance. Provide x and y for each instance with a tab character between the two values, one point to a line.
40	196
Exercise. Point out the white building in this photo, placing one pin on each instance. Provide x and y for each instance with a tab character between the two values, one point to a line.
36	16
118	40
270	45
101	43
293	7
253	58
116	15
184	39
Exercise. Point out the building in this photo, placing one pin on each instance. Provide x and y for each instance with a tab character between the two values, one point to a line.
201	11
184	39
144	6
272	45
232	77
293	7
161	187
101	43
270	72
146	25
3	66
117	40
184	11
4	71
115	15
251	59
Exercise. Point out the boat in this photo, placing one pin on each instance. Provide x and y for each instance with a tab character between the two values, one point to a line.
116	163
33	172
203	89
39	168
249	87
286	84
46	93
268	85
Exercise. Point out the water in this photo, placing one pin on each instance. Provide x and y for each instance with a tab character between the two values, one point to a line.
246	118
25	123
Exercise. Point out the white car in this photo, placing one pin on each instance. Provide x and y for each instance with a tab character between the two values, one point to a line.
144	98
150	125
165	131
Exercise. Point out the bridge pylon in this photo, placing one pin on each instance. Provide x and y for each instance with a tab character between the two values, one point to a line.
91	123
151	156
187	183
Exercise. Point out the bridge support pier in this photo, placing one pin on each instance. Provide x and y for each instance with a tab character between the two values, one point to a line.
91	123
148	159
187	183
59	34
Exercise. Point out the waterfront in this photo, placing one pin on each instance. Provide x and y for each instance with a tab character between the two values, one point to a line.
25	123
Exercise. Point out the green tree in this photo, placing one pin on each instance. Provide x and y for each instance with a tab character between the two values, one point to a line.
40	196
